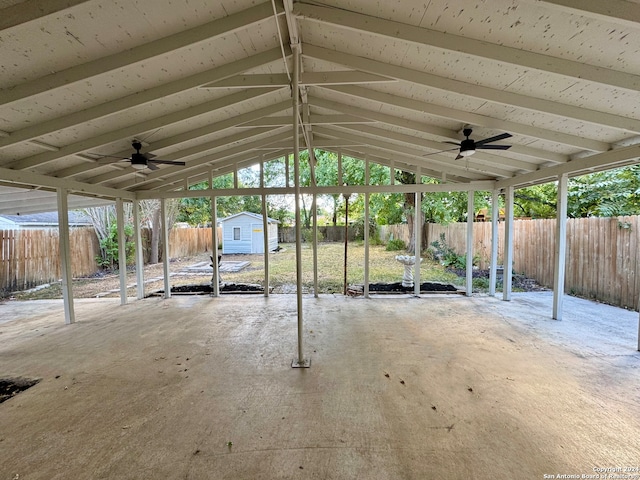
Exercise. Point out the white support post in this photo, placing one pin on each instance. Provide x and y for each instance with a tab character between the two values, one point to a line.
392	172
286	171
340	175
122	251
265	231
561	247
215	279
165	248
469	266
300	362
417	230
314	206
139	251
493	266
367	176
65	256
507	277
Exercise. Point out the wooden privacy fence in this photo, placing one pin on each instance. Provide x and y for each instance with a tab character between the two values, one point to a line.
184	242
603	254
32	257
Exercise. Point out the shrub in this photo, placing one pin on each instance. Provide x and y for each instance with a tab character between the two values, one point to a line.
307	235
108	257
396	244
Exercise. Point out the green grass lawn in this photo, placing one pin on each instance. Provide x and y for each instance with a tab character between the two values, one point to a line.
383	267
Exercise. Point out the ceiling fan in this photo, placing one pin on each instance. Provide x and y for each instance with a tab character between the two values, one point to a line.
469	146
140	161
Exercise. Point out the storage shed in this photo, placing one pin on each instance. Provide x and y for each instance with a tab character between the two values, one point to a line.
243	233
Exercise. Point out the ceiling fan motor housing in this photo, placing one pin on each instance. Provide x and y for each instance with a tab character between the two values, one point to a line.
467	146
138	160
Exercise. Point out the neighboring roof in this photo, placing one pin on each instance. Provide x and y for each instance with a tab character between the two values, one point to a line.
389	81
248	214
47	219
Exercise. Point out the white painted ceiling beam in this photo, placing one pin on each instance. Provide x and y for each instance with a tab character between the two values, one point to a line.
429	129
480	156
610	159
395	149
620	12
319	143
322	190
184	137
140	98
201	149
447	41
218	27
132	130
29	10
314	120
476	91
474	118
35	179
210	160
202	173
306	78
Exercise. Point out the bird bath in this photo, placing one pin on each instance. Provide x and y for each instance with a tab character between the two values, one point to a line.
408	261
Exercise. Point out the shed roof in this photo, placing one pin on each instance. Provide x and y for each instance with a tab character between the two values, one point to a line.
209	84
255	216
45	219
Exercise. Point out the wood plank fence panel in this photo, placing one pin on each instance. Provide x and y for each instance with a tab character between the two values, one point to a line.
31	257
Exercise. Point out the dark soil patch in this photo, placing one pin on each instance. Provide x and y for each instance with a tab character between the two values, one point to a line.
205	289
425	287
10	387
519	282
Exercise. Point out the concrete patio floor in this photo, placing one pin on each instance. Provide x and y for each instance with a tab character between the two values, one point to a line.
443	387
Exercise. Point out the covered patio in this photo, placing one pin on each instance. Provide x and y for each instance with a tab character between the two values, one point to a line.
190	388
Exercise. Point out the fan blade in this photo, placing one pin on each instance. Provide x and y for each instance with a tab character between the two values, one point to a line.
440	151
151	166
493	147
165	162
452	143
458	157
109	160
502	136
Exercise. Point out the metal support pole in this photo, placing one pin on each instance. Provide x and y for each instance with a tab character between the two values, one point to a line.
507	277
139	251
561	247
165	248
469	266
122	251
300	362
65	256
493	266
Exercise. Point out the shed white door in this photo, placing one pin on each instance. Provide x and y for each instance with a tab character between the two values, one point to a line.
257	242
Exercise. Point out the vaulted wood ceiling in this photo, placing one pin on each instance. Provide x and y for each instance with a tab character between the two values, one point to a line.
209	83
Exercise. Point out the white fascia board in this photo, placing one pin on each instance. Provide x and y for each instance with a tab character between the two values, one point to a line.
330	190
